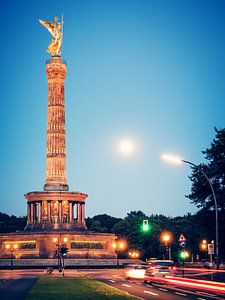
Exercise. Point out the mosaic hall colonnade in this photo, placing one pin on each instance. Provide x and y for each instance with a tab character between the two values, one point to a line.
55	210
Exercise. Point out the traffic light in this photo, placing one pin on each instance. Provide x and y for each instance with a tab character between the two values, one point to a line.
145	226
183	254
64	251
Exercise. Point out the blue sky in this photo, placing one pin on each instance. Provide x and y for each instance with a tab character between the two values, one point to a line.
150	71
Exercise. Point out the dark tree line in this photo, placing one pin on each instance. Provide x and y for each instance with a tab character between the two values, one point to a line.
195	228
11	223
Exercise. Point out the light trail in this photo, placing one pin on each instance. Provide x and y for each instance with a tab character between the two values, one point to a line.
203	270
196	284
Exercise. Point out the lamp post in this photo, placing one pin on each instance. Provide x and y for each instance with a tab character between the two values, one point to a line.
118	246
166	238
178	161
11	248
204	246
61	252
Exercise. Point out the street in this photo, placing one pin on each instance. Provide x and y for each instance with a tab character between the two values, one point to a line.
14	284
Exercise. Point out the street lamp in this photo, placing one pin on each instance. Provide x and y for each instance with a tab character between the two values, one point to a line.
118	246
134	254
178	160
11	248
204	246
61	252
166	237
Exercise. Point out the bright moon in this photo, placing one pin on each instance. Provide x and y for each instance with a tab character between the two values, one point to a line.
126	147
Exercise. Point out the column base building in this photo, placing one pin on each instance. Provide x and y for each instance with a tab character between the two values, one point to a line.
56	216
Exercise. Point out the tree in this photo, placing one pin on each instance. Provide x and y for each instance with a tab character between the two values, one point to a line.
102	223
148	242
11	223
201	194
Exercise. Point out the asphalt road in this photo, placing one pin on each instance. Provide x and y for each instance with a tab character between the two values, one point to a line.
15	284
116	278
12	289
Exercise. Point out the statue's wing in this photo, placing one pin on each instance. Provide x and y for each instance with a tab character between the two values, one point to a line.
50	26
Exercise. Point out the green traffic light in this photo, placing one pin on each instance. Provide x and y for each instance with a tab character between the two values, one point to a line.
183	254
145	226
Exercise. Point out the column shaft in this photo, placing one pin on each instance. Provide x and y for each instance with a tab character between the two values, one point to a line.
49	211
73	212
56	132
28	213
78	214
39	212
83	214
60	211
32	213
70	212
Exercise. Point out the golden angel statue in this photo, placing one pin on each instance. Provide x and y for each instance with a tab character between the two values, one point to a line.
56	31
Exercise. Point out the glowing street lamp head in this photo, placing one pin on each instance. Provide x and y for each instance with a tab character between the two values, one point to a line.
121	245
172	158
166	237
204	245
114	245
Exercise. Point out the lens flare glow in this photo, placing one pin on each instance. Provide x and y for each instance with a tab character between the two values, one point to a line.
126	147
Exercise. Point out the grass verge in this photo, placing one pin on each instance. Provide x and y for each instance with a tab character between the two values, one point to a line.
75	288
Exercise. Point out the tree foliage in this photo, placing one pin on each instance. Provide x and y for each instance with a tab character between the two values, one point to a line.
11	223
101	223
201	193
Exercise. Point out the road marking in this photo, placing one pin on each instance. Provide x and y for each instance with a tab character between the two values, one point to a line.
206	294
201	298
127	285
181	294
151	293
163	289
148	285
112	280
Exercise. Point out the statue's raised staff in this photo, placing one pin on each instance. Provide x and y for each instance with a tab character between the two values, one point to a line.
56	31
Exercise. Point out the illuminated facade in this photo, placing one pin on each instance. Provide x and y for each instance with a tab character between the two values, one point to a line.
54	208
56	215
